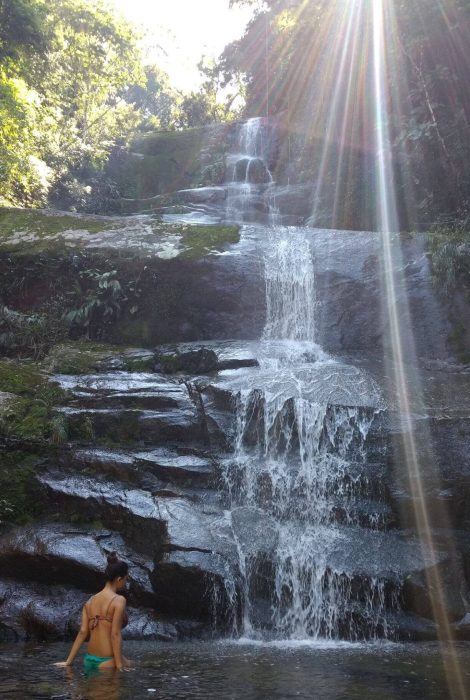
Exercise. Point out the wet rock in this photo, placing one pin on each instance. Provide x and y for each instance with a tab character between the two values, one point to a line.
295	200
219	422
191	584
83	358
145	625
254	529
204	195
132	512
134	425
62	554
412	628
251	170
357	551
421	591
151	525
231	354
461	628
157	427
116	464
187	470
40	612
187	359
124	390
234	354
188	528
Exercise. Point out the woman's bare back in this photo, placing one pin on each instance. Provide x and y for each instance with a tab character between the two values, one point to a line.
100	610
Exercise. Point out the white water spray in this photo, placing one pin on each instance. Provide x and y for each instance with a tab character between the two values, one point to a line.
302	427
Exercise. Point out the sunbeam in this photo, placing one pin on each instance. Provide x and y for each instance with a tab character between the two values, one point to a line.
400	331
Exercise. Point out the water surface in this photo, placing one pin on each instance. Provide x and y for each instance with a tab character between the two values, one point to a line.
249	671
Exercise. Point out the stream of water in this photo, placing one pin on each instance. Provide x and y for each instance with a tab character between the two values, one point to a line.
211	671
298	471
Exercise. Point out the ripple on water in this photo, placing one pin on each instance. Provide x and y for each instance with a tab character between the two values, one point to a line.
246	669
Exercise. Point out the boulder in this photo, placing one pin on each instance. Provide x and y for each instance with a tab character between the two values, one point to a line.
58	553
187	359
149	524
132	512
421	594
193	584
412	628
42	612
39	611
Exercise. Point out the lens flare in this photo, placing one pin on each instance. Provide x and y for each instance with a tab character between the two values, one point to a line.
400	335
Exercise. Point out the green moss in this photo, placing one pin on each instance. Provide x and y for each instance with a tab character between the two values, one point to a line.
160	162
458	340
77	358
203	240
22	378
136	364
37	231
449	254
19	502
165	161
28	417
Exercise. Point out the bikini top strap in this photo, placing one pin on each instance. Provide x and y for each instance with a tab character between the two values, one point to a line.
109	604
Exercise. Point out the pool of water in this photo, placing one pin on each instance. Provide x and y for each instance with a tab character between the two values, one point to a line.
247	671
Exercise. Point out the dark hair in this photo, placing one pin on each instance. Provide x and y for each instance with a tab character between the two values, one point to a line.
116	567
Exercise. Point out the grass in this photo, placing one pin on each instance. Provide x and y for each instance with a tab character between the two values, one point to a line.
29	417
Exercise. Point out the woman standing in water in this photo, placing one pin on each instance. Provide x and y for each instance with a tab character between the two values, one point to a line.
103	618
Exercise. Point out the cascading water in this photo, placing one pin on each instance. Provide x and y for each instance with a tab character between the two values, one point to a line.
250	177
295	486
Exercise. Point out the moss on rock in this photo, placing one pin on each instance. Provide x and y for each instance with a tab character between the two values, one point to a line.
33	230
19	502
28	416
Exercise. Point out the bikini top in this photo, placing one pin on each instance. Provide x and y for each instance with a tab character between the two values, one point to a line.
94	620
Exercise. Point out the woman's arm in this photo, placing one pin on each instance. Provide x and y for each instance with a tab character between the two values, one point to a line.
79	639
116	637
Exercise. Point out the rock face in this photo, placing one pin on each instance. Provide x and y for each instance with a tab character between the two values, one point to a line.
144	479
149	498
148	464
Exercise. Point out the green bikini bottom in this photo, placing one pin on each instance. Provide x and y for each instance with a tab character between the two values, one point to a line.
92	663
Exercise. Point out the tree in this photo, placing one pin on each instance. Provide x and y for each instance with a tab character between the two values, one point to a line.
65	66
156	100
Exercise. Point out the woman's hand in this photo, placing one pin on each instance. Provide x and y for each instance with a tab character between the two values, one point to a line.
62	664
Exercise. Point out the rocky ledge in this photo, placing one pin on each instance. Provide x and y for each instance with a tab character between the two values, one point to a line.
140	472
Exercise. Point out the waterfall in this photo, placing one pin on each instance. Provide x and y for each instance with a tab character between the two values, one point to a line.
250	177
302	424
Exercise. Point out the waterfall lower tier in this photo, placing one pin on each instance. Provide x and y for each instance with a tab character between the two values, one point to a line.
299	488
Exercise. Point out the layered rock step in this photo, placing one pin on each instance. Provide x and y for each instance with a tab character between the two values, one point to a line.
145	474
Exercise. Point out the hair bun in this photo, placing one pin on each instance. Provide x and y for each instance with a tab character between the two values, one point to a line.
112	557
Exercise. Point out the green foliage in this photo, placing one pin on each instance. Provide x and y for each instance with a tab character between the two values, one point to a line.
449	247
102	303
19	503
22	29
156	100
66	67
29	416
25	334
289	61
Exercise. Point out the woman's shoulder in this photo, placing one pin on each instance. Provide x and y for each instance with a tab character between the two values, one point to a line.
119	600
